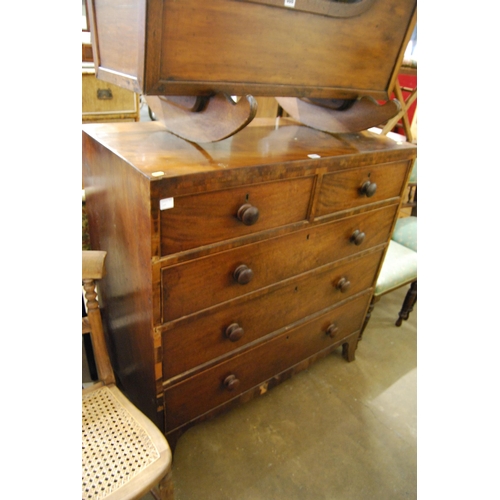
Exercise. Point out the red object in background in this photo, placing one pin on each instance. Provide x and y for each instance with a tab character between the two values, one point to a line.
407	80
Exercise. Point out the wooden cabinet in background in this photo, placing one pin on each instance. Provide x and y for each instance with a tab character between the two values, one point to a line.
105	102
233	265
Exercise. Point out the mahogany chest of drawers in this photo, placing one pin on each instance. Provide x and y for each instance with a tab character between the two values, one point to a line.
233	265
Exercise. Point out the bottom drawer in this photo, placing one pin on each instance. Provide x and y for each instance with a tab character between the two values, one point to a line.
217	385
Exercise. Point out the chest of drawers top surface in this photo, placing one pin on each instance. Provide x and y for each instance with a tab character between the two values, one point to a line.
162	157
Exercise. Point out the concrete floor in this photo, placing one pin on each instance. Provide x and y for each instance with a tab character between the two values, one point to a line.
337	431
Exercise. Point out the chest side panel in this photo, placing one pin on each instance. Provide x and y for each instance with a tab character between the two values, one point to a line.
118	207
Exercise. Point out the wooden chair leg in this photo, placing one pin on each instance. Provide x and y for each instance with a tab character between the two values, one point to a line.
165	489
409	302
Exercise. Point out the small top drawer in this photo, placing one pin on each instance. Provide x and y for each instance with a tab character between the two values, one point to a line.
202	219
348	189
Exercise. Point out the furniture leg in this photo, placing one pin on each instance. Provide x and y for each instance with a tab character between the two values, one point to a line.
165	489
349	348
409	302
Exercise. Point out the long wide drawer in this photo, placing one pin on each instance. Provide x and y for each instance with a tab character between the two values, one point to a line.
217	385
202	337
201	219
198	284
354	188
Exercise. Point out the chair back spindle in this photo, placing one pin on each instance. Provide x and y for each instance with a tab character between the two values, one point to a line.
92	269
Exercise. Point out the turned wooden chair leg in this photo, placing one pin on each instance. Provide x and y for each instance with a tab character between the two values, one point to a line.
409	302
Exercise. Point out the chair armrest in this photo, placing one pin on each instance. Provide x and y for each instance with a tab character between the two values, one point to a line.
93	264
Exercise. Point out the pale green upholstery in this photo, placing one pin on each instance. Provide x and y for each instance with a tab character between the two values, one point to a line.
400	263
405	232
399	267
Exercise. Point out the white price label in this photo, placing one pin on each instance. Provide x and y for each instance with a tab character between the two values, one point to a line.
289	3
166	203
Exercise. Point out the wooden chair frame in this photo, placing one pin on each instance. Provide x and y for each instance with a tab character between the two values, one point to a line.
410	129
407	307
135	478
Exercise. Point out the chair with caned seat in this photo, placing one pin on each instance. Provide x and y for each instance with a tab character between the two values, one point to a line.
124	455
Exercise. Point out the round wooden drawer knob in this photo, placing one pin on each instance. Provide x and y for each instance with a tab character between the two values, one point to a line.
243	274
332	330
368	189
248	214
357	237
234	332
343	285
231	382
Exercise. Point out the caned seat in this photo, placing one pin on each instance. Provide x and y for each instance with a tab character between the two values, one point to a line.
124	455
